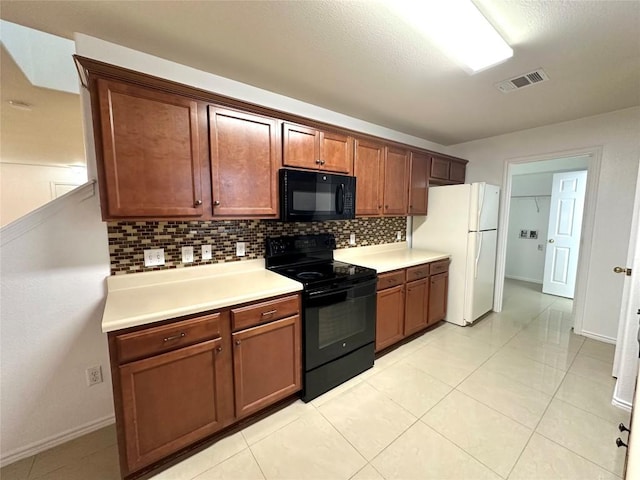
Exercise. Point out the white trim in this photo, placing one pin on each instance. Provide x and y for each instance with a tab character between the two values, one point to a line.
22	225
523	279
616	402
582	275
597	336
55	440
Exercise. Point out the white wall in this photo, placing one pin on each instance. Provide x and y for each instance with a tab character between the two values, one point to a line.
618	135
54	263
23	188
530	204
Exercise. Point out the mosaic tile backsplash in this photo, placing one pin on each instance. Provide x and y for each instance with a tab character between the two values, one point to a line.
128	240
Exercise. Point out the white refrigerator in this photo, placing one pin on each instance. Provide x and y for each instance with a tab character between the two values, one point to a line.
463	220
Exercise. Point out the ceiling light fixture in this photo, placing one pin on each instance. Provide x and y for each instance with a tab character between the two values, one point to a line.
458	27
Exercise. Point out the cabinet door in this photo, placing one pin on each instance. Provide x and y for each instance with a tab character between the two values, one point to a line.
438	290
457	171
267	364
418	184
244	164
301	146
396	181
150	153
336	152
416	314
389	317
440	168
368	168
173	400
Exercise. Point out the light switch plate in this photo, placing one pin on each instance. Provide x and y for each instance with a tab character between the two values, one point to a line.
187	254
206	252
240	249
154	257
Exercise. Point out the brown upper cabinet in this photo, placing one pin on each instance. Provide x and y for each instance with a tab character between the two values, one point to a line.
244	164
419	183
306	147
382	174
447	171
151	161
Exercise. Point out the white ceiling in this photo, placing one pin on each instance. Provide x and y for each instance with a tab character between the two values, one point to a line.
356	58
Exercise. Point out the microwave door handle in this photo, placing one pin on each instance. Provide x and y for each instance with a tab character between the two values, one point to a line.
340	199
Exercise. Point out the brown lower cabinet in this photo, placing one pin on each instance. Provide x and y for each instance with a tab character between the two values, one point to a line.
410	300
177	383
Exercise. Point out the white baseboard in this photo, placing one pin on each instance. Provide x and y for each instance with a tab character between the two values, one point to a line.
616	402
597	336
524	279
54	440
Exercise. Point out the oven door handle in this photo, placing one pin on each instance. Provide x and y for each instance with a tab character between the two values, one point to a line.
328	292
333	291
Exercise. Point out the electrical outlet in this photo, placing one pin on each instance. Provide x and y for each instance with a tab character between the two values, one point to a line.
240	249
154	257
187	254
352	239
206	252
398	235
540	247
94	375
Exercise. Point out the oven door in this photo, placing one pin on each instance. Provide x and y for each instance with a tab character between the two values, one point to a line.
338	321
311	196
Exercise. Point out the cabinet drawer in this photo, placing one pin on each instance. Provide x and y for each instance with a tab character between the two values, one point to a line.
391	279
145	343
245	317
417	272
439	267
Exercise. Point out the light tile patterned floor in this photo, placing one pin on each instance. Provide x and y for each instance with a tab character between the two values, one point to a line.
515	396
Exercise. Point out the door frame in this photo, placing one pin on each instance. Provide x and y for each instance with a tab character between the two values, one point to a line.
591	196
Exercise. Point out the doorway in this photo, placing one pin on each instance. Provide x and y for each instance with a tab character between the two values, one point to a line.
586	159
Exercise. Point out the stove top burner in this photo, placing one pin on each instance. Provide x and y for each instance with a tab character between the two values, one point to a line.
309	275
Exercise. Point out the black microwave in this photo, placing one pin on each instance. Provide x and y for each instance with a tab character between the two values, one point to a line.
315	197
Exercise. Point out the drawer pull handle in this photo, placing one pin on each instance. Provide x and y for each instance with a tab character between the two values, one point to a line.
175	337
270	312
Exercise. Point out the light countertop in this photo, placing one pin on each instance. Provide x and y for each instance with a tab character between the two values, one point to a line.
388	257
142	298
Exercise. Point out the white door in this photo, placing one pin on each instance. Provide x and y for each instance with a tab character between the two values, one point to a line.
563	238
625	366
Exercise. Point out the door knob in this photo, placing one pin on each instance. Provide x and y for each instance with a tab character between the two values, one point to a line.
626	271
551	240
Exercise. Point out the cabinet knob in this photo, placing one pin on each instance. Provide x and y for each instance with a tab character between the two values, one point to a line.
238	342
197	202
322	162
620	443
623	428
218	349
379	207
386	206
318	162
216	203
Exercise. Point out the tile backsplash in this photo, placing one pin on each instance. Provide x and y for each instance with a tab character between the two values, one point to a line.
128	240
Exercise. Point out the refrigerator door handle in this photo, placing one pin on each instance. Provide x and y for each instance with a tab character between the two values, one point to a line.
478	250
480	205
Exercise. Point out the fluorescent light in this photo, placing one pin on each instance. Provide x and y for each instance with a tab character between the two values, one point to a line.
458	27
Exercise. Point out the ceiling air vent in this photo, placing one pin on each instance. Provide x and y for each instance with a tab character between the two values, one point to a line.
526	80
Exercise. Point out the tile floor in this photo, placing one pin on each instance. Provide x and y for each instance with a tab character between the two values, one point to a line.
516	396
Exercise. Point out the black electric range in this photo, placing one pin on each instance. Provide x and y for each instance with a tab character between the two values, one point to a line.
339	309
